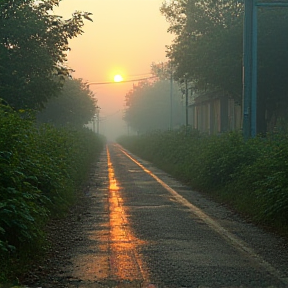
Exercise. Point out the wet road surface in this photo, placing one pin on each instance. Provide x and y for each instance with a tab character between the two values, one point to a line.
152	231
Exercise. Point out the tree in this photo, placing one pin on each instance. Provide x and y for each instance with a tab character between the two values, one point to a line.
272	85
208	50
205	43
33	51
148	107
75	105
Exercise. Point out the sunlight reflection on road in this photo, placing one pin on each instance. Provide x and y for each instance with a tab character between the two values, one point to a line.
125	261
109	255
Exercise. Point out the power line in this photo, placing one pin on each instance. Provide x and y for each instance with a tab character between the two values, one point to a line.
110	115
125	81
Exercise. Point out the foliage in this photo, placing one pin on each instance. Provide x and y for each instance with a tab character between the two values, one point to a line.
263	182
33	51
208	50
149	106
74	106
40	171
207	45
249	175
272	72
162	70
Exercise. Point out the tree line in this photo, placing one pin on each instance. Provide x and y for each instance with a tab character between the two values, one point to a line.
41	165
152	107
208	51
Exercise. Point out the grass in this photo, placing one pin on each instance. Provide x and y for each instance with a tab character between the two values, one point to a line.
250	176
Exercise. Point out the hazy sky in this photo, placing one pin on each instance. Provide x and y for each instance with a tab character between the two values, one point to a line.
126	36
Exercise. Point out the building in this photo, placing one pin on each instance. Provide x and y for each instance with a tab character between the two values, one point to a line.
215	112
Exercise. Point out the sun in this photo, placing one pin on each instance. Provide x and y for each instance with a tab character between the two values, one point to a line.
118	78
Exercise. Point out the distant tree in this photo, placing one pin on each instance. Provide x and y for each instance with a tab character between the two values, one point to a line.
162	70
75	105
33	51
148	106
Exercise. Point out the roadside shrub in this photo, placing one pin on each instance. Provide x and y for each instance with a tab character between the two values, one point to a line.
249	175
264	182
206	162
40	171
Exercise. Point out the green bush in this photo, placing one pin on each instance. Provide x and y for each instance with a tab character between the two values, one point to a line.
40	171
249	175
264	182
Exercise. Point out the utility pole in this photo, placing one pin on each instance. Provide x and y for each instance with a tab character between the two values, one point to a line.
171	97
93	122
186	101
98	122
98	118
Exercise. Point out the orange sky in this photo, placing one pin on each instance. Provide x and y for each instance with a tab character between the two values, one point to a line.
125	38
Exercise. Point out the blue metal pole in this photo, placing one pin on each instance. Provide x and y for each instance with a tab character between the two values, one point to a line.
247	67
254	72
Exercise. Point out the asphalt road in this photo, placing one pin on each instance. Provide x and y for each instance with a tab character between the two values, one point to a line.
156	232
